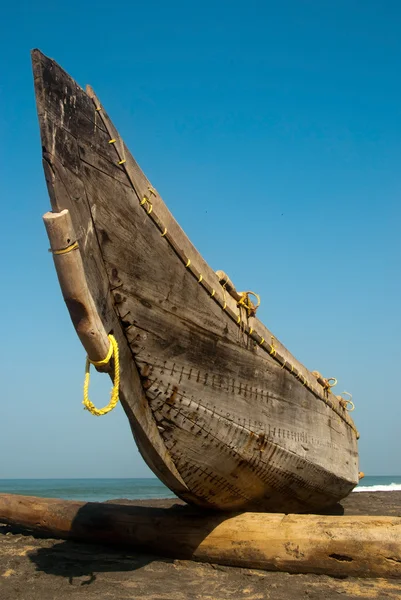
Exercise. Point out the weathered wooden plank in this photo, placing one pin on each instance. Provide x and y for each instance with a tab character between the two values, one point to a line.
248	459
67	190
163	282
159	278
333	545
59	95
92	157
142	188
139	183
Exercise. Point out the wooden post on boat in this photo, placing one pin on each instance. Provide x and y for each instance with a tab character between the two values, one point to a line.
74	287
332	545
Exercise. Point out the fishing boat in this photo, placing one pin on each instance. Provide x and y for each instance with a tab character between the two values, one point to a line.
220	410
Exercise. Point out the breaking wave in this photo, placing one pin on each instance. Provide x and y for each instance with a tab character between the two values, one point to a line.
391	487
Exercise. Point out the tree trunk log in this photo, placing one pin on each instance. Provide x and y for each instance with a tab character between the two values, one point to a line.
333	545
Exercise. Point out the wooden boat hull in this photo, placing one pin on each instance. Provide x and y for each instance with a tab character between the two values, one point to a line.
221	411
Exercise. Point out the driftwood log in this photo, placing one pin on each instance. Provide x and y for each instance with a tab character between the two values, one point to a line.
333	545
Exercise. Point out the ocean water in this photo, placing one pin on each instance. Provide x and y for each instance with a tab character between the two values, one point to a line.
88	490
98	490
379	483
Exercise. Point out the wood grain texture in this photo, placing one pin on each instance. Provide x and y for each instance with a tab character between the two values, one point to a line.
64	109
334	545
72	280
230	424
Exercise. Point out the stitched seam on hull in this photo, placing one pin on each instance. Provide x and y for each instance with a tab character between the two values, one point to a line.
310	464
222	483
233	385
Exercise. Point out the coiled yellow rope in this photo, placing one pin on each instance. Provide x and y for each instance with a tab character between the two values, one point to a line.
113	351
346	402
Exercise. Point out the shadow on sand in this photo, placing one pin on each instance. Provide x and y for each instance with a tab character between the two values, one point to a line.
110	528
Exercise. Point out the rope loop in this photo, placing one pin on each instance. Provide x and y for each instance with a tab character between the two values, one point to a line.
113	351
346	403
249	306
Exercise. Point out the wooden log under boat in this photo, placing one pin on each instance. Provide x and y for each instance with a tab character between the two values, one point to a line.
332	545
221	411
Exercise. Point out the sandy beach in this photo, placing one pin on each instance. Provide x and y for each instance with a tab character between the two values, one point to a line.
33	568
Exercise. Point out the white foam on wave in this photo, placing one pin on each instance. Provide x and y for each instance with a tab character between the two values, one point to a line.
391	487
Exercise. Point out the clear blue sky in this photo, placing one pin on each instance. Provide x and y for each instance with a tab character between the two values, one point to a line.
273	132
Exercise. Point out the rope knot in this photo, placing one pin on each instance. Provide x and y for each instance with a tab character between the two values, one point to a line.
327	384
247	303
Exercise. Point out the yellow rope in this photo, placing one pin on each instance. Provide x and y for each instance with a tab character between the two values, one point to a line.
149	210
247	303
70	248
100	363
272	347
345	403
113	350
224	296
